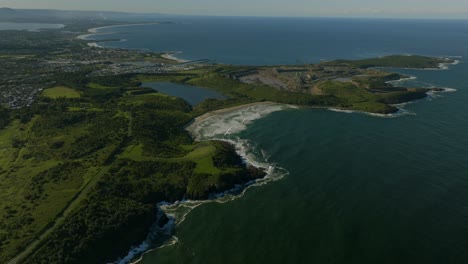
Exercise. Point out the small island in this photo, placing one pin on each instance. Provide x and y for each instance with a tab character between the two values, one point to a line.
87	152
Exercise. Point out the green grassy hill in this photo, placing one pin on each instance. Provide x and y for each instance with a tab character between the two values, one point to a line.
90	169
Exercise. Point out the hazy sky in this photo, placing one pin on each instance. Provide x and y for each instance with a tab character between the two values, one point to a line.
347	8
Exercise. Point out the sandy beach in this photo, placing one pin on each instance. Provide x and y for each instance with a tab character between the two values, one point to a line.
170	56
95	31
227	110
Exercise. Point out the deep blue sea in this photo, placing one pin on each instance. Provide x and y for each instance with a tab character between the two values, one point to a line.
359	188
292	40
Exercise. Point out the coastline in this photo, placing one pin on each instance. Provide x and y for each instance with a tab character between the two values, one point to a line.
95	31
401	111
440	67
179	210
176	212
445	66
227	110
169	55
266	131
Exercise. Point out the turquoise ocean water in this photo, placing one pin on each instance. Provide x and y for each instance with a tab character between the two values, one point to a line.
358	188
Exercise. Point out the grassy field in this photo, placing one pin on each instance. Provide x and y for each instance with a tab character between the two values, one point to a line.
61	91
200	153
67	166
41	171
25	212
98	86
57	156
366	90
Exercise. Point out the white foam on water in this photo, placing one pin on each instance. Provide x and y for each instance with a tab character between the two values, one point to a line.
172	241
437	94
342	110
394	82
448	90
217	127
179	210
400	112
155	231
445	65
134	253
222	125
440	66
401	107
95	32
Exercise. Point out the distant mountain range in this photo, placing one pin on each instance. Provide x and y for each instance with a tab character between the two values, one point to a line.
36	15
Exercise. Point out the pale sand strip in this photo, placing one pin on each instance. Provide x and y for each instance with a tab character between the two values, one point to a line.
171	57
95	31
228	110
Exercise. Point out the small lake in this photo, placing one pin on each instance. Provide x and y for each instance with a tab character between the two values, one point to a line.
192	94
29	26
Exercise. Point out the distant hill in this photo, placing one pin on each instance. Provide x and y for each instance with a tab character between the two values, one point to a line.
38	15
6	10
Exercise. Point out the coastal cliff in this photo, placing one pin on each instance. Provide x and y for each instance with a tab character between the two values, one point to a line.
90	153
147	167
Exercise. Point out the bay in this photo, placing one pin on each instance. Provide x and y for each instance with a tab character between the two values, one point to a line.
360	188
192	94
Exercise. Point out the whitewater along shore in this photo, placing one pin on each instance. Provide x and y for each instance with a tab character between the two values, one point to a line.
225	121
95	32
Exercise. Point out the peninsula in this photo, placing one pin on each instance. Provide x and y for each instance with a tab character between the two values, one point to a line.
87	152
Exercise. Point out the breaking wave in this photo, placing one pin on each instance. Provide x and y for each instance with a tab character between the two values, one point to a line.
98	32
218	126
224	126
401	112
401	107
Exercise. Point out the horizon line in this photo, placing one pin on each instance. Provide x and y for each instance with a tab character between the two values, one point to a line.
250	16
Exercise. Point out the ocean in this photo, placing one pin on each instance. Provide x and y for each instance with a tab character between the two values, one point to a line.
345	187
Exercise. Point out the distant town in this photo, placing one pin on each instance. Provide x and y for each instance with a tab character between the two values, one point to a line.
26	72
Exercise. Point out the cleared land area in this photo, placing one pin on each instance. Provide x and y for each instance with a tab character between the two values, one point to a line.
61	91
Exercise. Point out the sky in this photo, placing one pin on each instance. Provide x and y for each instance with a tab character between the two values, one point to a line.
301	8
